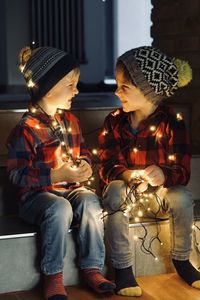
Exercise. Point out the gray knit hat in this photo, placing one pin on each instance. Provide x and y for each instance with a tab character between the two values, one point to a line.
43	67
155	74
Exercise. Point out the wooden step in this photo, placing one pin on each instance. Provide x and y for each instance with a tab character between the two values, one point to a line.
159	287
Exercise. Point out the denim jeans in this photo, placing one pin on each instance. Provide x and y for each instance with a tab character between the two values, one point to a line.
54	213
178	205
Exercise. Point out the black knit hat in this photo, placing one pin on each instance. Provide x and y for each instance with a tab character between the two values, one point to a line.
43	67
155	74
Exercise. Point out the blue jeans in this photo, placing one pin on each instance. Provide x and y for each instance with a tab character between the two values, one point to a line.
54	214
178	205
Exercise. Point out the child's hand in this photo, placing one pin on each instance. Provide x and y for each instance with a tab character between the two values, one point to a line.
86	169
70	173
126	176
154	175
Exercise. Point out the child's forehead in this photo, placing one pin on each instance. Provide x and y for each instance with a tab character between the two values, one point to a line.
119	74
71	76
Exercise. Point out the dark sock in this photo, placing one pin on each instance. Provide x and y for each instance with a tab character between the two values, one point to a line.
124	278
97	282
54	288
186	271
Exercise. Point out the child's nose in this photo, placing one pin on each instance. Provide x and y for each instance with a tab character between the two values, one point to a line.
76	91
117	92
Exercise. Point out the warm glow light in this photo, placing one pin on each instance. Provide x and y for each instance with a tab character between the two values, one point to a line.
152	128
140	213
179	116
115	113
63	143
137	219
156	259
159	135
172	157
60	111
69	129
21	67
30	83
33	110
37	126
104	132
135	150
94	151
54	123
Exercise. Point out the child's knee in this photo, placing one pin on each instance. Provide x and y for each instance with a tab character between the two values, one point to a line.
179	197
115	194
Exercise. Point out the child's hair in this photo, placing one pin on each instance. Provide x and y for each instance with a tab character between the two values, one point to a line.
43	68
120	66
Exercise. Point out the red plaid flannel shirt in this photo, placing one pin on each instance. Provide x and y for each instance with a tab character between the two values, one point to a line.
161	139
33	149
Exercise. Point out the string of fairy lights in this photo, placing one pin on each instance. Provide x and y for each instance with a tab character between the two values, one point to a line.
137	204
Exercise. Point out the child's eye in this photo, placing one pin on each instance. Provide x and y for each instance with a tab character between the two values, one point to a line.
125	86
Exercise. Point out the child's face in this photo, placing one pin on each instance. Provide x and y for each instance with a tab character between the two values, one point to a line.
62	93
130	96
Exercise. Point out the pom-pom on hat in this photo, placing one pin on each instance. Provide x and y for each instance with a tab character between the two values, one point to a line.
43	67
155	74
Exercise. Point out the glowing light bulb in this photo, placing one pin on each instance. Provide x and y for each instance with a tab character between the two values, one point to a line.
89	182
21	67
128	207
33	110
161	243
37	126
60	111
54	123
94	151
116	113
70	151
137	219
69	129
104	132
140	213
159	135
152	127
63	143
135	150
30	83
92	178
156	258
179	117
172	157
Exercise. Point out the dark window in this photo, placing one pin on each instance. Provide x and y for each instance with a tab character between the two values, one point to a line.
58	23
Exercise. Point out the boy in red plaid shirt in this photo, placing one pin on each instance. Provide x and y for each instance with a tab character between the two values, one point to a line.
49	163
146	140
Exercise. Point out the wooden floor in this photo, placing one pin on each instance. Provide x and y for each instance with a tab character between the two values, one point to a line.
160	287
